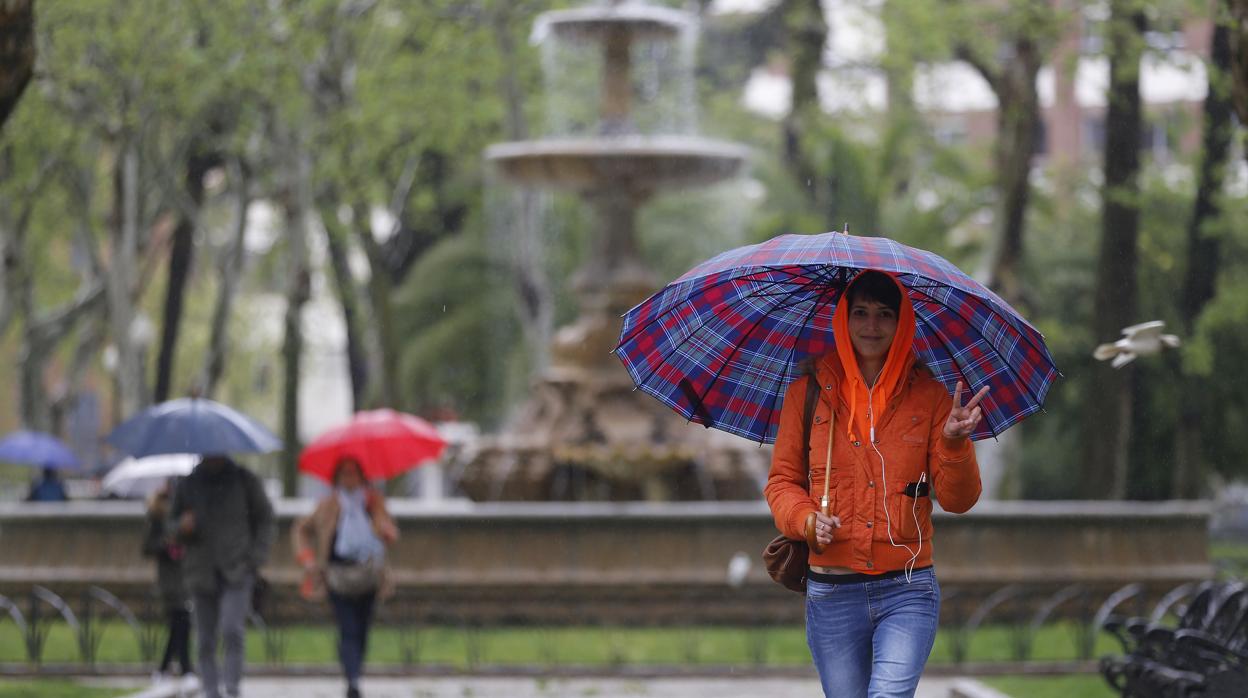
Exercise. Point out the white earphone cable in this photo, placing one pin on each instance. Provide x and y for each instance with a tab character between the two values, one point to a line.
888	519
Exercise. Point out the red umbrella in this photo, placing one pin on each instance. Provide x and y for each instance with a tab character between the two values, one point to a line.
385	442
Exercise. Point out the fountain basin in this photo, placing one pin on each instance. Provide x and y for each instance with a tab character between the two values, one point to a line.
632	563
593	23
637	164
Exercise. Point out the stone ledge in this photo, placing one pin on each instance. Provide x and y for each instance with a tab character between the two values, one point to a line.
1060	512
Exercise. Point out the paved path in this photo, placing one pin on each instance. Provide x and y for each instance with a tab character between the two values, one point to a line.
556	688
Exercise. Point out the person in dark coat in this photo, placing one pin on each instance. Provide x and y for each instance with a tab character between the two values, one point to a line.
159	544
222	515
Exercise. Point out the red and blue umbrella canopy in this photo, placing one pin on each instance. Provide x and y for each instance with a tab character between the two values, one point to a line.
722	343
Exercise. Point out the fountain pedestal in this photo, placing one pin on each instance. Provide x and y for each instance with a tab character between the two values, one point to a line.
585	433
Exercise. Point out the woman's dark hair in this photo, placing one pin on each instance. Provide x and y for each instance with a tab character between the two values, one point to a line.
875	286
344	462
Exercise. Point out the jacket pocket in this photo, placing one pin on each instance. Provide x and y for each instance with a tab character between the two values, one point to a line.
909	514
914	431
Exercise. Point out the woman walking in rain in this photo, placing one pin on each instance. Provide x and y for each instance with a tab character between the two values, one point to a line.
883	438
341	546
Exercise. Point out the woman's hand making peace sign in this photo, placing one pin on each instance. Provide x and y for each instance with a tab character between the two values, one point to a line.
964	418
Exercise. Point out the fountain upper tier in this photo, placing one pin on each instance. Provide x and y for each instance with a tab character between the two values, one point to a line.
595	22
635	164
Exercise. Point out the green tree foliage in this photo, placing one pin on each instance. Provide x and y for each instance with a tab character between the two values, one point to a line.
397	101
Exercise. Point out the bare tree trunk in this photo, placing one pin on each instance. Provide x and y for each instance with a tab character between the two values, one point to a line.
904	121
298	291
230	270
39	342
1107	434
17	52
121	277
1203	251
180	260
17	282
1019	120
379	289
807	32
91	337
371	349
14	268
1238	39
336	238
1012	78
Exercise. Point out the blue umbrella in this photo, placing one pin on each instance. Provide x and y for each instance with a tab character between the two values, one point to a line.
192	425
36	448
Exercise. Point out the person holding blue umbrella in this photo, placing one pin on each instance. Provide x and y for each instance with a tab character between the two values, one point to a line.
219	514
41	450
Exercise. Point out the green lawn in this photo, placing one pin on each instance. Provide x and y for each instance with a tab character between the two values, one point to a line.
1232	556
594	646
1016	686
55	688
1086	686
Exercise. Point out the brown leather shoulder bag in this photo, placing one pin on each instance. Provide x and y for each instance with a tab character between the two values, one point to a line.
785	558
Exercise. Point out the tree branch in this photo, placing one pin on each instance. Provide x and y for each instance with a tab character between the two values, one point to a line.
964	52
402	190
49	329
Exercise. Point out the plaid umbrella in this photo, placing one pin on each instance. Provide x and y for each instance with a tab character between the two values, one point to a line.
721	344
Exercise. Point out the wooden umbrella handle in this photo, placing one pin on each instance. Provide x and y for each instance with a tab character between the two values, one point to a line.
811	539
812	520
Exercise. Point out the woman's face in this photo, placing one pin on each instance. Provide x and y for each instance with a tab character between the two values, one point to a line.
349	476
871	328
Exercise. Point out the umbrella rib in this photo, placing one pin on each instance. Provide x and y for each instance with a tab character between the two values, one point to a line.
996	351
706	289
984	303
1009	315
737	346
693	332
824	279
962	374
775	394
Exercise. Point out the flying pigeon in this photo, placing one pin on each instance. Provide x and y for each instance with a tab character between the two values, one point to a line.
1137	340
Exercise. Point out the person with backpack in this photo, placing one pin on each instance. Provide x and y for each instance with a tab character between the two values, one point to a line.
224	519
342	548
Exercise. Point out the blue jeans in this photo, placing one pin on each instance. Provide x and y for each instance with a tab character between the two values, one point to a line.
224	612
872	638
353	614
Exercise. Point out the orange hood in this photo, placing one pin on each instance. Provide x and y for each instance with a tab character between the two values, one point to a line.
900	359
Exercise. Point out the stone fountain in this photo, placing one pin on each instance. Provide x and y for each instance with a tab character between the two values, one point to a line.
585	433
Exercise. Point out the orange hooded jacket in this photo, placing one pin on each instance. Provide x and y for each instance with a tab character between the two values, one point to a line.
911	408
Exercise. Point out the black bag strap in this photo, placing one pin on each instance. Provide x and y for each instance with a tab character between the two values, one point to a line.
808	416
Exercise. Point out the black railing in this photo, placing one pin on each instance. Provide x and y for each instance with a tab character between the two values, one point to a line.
1019	612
